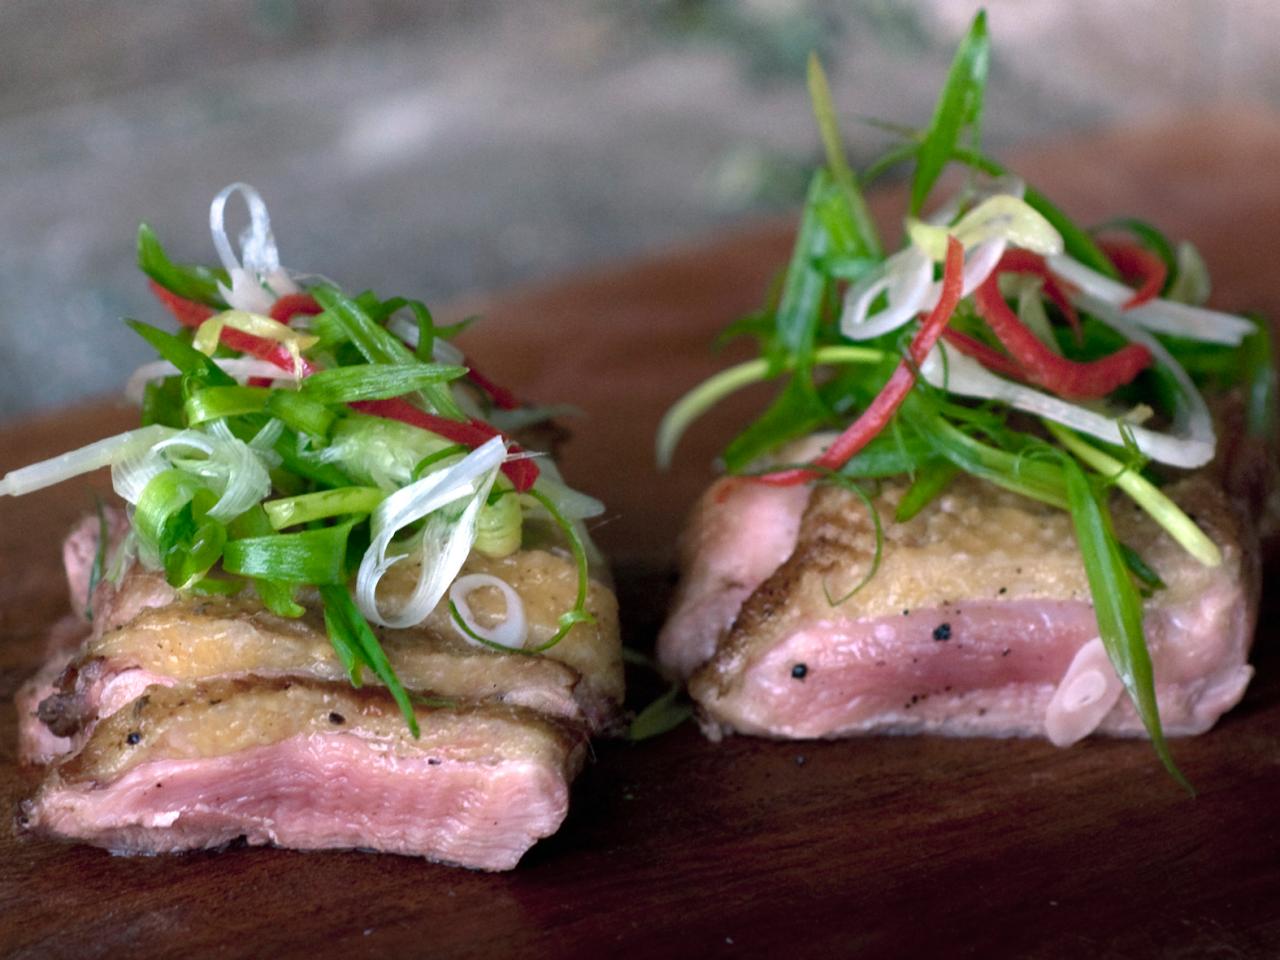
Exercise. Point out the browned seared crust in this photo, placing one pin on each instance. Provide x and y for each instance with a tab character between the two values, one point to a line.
221	717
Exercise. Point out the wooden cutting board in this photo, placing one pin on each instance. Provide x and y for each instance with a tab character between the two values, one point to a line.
680	847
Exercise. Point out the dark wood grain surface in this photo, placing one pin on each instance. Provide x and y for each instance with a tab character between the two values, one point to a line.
679	847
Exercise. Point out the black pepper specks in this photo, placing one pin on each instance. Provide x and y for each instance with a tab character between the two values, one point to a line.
336	718
433	761
942	632
134	738
1005	652
799	671
1002	591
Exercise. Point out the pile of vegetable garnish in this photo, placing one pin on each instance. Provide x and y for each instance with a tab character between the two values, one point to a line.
1003	340
296	440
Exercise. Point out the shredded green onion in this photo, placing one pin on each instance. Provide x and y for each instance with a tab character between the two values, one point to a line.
356	645
312	556
1116	605
1145	494
715	388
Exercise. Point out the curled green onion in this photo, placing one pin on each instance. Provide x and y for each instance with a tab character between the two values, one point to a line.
499	525
567	620
1145	494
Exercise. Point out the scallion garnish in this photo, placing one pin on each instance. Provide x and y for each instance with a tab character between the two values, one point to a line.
301	439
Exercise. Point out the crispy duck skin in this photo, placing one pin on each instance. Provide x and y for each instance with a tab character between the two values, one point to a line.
169	640
978	622
313	766
205	638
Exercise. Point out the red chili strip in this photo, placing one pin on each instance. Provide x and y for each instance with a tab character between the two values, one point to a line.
502	398
292	304
187	312
521	473
1024	261
192	314
1137	265
1067	378
881	410
993	360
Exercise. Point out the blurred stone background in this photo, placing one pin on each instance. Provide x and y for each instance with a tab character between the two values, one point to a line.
447	147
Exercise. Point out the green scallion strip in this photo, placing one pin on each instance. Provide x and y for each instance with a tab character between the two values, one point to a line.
959	108
162	403
1150	580
291	511
380	346
444	453
841	267
376	381
1258	374
931	479
825	114
159	504
799	312
322	473
213	403
189	281
577	614
662	716
186	562
499	525
1116	605
216	586
1145	494
1032	478
303	414
312	556
182	355
356	644
276	595
715	388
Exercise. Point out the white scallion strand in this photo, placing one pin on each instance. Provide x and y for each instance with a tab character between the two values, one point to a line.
257	282
102	453
1190	444
906	278
229	466
444	542
1099	294
512	632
